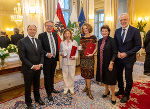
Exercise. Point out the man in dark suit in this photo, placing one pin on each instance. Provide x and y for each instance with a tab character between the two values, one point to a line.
49	42
31	54
16	37
128	41
4	40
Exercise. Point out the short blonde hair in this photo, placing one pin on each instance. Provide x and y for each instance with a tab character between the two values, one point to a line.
65	32
90	29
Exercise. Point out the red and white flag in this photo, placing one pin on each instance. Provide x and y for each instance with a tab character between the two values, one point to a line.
59	22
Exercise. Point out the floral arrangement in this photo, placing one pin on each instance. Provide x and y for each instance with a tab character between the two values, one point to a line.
141	25
12	48
3	53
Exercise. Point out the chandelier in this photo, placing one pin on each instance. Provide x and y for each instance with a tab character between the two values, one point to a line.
17	17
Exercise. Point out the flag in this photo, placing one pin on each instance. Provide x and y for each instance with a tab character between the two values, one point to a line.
74	26
81	18
59	23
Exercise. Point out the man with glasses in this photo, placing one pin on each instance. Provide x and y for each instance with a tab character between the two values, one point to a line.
128	43
49	42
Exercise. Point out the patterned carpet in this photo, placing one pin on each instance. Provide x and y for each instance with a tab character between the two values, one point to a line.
140	97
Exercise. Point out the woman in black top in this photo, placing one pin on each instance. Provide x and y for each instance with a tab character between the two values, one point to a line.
106	54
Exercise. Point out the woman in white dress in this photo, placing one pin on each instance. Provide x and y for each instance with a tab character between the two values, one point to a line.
68	63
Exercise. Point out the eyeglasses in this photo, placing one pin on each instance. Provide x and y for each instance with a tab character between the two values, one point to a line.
49	26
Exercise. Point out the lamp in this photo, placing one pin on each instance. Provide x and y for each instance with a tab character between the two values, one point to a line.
17	17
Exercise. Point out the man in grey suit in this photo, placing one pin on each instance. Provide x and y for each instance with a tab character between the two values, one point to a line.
31	54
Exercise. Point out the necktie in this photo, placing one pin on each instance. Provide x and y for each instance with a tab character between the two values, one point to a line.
122	36
52	46
33	42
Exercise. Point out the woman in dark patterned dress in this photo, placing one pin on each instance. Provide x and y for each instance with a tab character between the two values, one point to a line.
106	69
87	62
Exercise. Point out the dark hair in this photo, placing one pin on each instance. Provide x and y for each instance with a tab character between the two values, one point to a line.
70	34
106	27
16	31
90	29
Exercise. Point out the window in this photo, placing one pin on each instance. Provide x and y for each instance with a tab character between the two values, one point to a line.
66	9
99	21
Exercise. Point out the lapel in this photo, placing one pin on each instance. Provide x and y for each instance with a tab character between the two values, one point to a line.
31	45
119	35
128	34
54	37
47	41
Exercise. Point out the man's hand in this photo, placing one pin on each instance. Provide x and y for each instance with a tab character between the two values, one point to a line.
123	55
49	55
119	56
36	67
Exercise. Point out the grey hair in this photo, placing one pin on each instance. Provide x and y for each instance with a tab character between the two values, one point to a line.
49	21
126	14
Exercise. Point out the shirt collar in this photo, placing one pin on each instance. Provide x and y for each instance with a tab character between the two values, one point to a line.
49	33
31	37
126	28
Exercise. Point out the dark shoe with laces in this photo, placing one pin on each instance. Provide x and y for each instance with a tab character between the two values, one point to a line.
40	102
124	99
29	106
104	96
55	91
113	102
119	93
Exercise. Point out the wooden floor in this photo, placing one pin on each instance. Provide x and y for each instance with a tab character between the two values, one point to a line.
18	91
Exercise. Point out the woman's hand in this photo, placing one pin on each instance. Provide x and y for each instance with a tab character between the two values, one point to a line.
62	54
90	55
80	47
110	68
72	58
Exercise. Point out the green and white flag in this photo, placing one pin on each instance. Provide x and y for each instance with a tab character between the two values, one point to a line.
74	26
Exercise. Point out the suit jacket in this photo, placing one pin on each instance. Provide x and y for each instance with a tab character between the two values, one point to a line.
147	43
4	41
131	44
15	38
46	46
29	55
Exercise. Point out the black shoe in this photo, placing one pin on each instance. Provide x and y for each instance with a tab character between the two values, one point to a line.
40	102
55	91
119	93
113	102
50	98
104	96
124	99
29	106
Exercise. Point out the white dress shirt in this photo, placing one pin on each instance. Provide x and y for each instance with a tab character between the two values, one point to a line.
66	49
51	35
32	40
126	30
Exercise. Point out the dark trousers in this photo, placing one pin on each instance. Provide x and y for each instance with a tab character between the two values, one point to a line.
49	71
29	77
128	76
147	64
